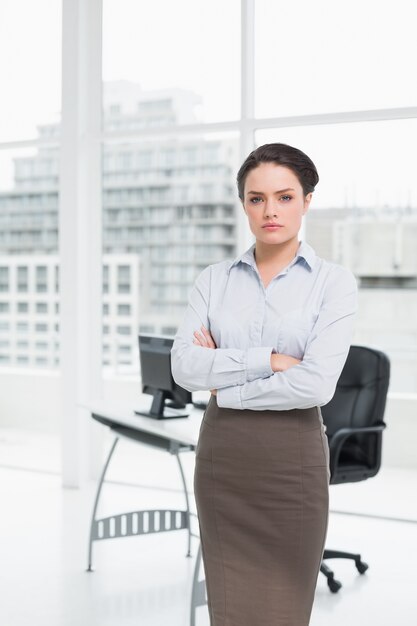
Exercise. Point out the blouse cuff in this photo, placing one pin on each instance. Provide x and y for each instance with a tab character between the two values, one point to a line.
259	363
229	397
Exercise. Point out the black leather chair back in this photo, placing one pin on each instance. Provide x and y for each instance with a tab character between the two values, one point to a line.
354	416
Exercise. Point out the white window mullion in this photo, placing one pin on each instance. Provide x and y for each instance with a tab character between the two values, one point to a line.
80	232
247	107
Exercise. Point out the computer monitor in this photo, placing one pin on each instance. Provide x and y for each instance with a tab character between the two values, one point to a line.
157	379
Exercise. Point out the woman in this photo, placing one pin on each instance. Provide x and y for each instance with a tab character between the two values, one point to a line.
268	334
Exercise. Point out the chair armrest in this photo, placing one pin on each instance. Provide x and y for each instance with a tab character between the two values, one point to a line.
338	439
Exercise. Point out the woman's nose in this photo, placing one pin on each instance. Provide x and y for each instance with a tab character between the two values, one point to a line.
270	208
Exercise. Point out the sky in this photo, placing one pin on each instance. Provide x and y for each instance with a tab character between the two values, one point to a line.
310	58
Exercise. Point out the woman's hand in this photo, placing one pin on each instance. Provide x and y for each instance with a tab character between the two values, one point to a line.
206	341
281	362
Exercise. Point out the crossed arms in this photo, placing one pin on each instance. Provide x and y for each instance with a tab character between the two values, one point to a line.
245	379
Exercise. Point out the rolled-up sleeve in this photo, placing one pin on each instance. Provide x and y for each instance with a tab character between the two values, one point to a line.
312	382
198	368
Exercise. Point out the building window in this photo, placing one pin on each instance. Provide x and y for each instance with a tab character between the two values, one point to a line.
41	279
124	330
41	307
22	279
56	278
123	279
4	278
105	279
169	330
123	309
22	307
146	329
4	307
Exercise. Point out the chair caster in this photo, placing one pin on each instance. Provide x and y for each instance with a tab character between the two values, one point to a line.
334	585
361	566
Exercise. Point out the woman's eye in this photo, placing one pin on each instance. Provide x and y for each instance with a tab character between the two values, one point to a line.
256	198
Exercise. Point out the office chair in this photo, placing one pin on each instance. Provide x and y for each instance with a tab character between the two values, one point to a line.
354	425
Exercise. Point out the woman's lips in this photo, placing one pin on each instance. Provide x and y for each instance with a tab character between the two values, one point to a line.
272	227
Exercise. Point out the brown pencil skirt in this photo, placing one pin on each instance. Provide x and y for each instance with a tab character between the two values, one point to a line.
261	486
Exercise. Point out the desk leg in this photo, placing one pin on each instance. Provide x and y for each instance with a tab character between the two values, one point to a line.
93	517
198	592
187	504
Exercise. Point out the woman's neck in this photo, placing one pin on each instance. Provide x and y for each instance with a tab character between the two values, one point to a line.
269	255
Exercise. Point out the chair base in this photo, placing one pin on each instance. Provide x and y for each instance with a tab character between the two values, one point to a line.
335	585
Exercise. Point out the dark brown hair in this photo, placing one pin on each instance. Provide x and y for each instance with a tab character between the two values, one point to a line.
281	154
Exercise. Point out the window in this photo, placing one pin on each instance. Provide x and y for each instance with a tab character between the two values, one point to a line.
41	278
345	65
123	330
22	279
39	72
123	279
105	279
211	69
4	278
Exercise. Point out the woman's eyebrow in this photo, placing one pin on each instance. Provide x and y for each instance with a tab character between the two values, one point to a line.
258	193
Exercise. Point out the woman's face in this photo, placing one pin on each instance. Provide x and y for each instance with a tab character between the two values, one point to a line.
273	193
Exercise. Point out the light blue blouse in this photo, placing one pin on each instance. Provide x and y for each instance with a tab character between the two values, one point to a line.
306	311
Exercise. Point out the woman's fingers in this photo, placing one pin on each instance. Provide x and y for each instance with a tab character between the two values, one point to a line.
205	339
209	338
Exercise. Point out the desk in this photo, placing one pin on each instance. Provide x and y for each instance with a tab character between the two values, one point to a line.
173	435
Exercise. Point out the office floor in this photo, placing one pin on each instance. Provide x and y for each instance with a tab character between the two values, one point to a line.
147	580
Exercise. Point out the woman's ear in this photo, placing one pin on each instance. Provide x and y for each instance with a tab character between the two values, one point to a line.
307	201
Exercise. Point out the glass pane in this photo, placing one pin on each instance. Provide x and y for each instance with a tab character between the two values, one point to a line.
364	216
169	211
29	291
170	62
30	41
317	57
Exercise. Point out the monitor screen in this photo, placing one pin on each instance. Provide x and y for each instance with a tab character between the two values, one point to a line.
157	379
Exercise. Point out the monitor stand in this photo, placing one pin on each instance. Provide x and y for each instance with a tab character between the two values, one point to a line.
159	410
